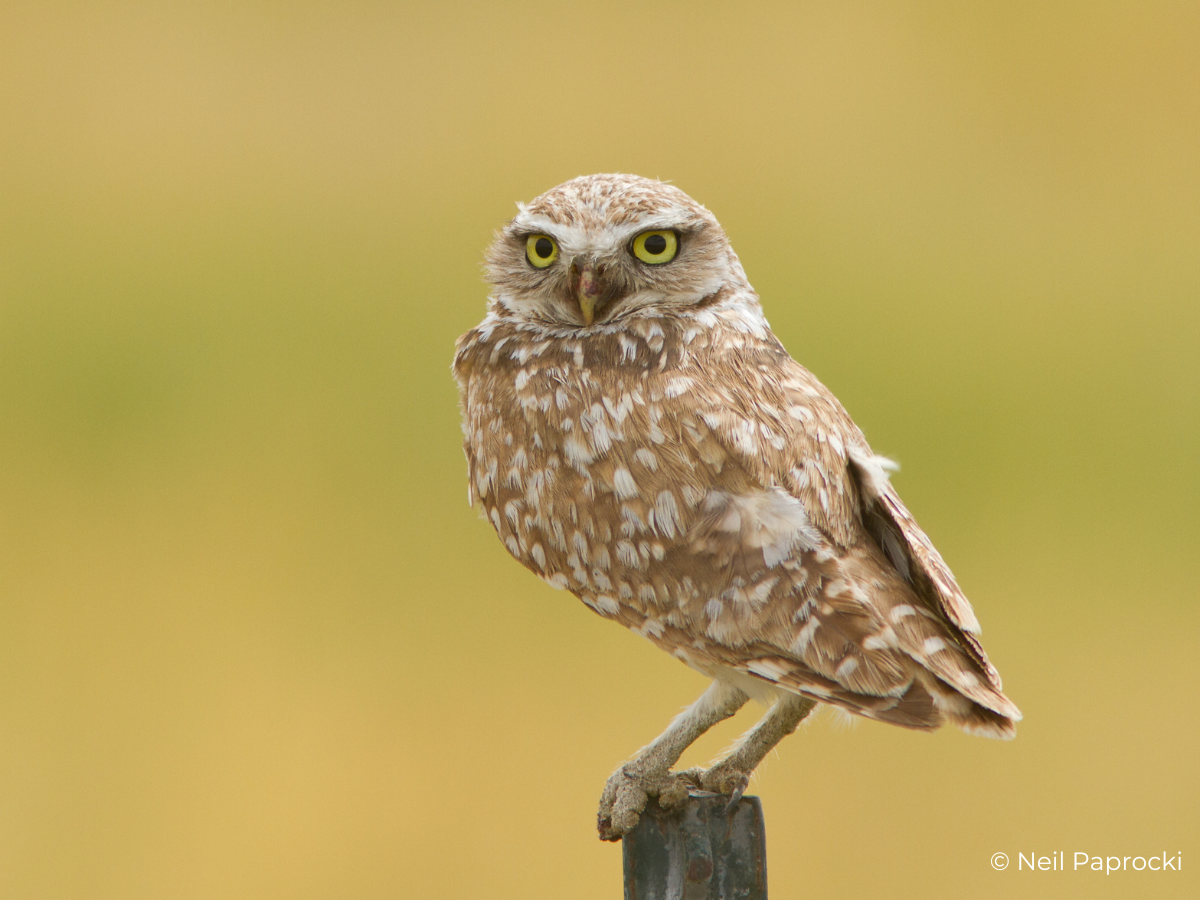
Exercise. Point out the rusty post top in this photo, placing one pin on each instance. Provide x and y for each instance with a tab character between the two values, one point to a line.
702	850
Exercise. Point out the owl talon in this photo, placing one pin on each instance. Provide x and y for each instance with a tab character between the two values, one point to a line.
743	781
626	794
720	779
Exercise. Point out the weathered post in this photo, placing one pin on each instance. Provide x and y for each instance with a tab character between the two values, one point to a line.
702	850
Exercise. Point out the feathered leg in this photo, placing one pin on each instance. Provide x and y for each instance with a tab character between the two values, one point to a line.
648	774
731	773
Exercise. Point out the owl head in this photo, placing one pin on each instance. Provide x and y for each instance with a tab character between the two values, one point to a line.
602	248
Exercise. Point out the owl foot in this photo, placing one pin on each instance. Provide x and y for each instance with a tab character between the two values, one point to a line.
626	794
720	779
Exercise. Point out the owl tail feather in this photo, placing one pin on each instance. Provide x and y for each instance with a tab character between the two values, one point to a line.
930	703
975	718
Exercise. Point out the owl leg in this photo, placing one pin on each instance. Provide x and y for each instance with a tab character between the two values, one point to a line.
731	773
648	774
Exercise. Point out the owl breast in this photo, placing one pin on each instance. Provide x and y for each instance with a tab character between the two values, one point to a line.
593	460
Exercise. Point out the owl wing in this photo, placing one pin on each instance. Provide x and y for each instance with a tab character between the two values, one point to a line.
870	596
893	527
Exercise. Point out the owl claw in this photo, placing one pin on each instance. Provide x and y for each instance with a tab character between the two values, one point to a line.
742	782
626	794
720	779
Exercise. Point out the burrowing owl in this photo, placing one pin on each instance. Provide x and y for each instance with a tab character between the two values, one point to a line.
637	435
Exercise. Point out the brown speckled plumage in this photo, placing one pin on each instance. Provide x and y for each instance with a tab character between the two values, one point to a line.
675	469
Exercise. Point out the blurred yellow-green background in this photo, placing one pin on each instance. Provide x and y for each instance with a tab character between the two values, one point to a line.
253	642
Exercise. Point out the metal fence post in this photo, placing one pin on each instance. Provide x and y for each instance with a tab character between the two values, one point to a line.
702	850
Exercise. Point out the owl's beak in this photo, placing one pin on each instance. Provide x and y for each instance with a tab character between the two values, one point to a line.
588	290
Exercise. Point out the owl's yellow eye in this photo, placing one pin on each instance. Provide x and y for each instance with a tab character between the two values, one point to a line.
656	247
541	250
